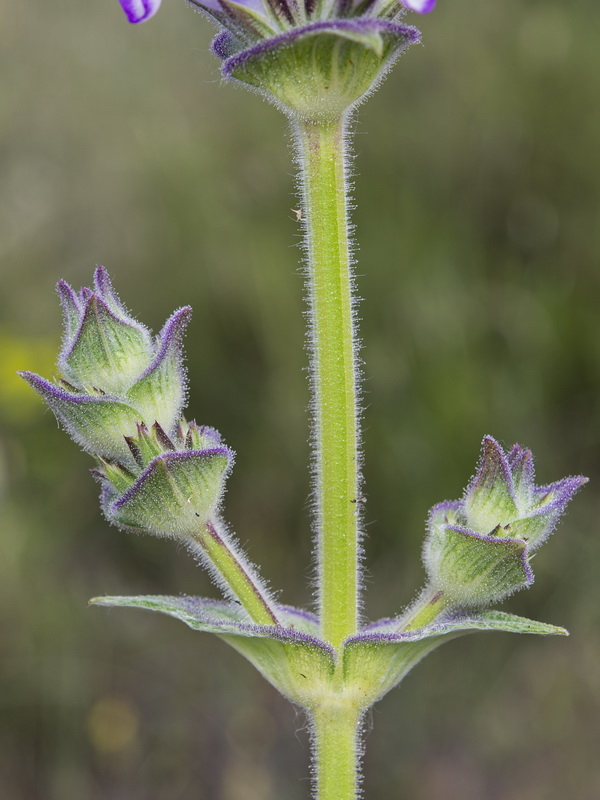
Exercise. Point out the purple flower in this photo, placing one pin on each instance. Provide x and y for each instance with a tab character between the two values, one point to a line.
420	6
286	10
314	59
140	10
479	548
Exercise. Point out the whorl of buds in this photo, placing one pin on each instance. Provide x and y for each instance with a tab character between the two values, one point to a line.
479	548
120	395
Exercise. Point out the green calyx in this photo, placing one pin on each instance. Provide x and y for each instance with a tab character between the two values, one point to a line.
321	70
108	353
176	484
473	570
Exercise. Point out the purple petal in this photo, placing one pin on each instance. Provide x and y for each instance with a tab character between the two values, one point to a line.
139	10
420	6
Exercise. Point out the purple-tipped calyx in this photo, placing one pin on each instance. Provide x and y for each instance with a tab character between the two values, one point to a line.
113	374
478	548
176	485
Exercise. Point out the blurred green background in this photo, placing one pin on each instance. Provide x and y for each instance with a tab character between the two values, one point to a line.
477	179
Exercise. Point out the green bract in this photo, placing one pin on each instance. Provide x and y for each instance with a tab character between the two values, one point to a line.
305	668
320	70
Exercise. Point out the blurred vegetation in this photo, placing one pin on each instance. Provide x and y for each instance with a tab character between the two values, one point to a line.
478	190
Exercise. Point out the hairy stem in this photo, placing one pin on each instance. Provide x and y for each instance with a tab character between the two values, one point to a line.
236	576
426	609
335	731
334	374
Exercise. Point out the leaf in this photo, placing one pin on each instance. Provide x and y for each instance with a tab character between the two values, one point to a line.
376	659
289	656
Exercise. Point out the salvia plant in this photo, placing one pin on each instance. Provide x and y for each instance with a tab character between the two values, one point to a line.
121	392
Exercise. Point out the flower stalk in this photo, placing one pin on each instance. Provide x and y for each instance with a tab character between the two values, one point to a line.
237	579
322	148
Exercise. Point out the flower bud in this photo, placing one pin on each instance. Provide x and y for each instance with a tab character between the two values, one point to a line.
173	491
114	375
103	348
478	549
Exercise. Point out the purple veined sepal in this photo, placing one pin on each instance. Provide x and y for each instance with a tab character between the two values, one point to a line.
490	498
114	374
548	505
503	493
176	495
106	354
102	348
138	11
105	290
98	423
160	392
74	308
473	570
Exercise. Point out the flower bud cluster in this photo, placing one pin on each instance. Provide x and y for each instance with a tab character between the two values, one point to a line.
479	548
120	396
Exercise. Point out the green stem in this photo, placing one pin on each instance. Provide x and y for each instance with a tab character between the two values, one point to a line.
239	578
322	157
425	610
335	731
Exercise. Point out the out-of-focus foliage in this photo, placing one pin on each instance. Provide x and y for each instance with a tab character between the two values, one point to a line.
478	189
